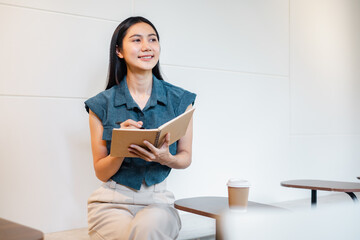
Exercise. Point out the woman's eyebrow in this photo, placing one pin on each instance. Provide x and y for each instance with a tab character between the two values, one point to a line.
135	35
139	35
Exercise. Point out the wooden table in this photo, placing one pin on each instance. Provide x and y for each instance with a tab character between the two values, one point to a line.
333	186
213	207
14	231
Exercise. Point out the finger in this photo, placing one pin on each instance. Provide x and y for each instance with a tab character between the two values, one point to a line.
166	141
139	155
167	138
151	147
132	124
143	151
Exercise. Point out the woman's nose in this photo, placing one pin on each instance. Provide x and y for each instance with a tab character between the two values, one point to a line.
145	46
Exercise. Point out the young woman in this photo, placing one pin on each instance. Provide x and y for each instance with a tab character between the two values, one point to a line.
133	202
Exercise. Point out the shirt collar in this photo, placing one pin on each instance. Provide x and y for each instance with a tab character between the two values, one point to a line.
123	96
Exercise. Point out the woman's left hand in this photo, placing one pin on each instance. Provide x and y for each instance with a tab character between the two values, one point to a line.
161	155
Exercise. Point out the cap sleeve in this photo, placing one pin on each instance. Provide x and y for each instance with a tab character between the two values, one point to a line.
187	98
97	105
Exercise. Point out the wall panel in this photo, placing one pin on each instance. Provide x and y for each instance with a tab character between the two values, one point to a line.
50	54
331	157
325	67
240	130
247	36
46	171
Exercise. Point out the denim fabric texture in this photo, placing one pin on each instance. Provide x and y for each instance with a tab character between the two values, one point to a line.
117	105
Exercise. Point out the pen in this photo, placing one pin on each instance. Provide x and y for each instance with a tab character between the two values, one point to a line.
121	122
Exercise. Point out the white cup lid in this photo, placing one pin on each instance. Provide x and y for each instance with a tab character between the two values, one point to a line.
237	182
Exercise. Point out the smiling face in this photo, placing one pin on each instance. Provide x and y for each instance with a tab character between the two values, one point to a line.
140	48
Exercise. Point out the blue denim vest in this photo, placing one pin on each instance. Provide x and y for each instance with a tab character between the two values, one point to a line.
116	105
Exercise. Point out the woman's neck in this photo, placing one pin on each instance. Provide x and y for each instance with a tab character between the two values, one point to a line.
139	83
140	86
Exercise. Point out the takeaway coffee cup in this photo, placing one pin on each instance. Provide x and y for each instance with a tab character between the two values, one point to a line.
238	191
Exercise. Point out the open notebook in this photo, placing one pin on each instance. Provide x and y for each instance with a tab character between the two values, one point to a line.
123	138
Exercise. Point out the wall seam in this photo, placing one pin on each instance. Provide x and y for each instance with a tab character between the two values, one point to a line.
39	96
291	53
225	70
61	13
325	135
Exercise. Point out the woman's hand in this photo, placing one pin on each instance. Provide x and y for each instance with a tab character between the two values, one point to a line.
131	124
161	155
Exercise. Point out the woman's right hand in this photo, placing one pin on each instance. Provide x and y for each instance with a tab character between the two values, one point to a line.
131	124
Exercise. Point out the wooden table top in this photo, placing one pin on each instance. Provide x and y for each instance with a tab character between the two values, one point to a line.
213	206
334	186
14	231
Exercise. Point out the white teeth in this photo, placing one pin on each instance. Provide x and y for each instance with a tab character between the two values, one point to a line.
146	57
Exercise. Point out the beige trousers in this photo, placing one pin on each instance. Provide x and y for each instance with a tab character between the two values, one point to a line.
116	212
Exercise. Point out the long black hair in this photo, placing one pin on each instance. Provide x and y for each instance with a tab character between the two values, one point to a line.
117	66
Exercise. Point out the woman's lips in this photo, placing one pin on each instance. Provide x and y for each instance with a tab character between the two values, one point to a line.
146	57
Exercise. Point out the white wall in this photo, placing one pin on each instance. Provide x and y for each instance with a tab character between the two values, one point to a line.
277	83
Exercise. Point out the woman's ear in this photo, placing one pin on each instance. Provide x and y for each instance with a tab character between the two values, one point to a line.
118	52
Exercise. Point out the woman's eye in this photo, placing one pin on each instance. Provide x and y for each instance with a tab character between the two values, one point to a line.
136	40
153	40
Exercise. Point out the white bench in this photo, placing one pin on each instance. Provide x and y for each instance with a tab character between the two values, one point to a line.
194	227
